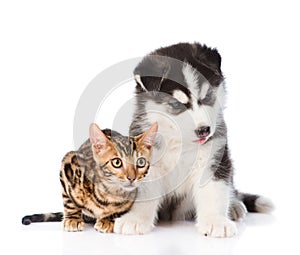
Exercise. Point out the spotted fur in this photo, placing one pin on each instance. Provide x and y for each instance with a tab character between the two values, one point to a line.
94	188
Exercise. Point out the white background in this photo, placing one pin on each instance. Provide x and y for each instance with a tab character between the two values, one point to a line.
51	50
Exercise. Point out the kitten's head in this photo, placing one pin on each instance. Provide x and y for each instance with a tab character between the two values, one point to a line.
123	160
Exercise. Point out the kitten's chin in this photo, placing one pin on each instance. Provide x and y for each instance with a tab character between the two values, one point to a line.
129	188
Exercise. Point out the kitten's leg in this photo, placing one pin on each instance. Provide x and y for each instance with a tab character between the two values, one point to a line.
71	179
212	204
139	220
72	217
104	225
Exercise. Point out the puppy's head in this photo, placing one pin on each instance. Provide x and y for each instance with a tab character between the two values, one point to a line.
184	82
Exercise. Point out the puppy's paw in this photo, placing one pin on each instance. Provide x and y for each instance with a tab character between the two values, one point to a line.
217	226
237	210
132	226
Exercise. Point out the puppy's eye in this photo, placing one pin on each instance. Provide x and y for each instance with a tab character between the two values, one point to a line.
176	105
141	162
116	162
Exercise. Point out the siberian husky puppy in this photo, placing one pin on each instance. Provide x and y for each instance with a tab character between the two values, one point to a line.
182	88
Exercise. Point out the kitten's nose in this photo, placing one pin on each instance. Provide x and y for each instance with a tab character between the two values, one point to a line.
131	178
203	132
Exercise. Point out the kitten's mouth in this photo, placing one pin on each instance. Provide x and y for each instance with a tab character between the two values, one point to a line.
129	187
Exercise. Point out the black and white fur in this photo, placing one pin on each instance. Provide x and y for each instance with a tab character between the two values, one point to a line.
182	88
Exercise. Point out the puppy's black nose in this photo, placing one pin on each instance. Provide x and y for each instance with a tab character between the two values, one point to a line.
202	132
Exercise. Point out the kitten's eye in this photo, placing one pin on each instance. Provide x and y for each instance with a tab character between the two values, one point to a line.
141	162
176	105
116	162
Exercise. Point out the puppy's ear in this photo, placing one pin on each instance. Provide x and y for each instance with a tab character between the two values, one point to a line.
151	72
209	56
139	82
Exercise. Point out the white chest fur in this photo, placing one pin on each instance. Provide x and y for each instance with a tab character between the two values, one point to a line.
178	163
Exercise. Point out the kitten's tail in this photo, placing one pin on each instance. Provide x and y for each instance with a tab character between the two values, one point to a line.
43	217
52	217
256	203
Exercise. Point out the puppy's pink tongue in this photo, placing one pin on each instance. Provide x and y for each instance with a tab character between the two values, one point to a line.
201	141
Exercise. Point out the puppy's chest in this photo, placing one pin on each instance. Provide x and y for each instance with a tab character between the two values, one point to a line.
177	153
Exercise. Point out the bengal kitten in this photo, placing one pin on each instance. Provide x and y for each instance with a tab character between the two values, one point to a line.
100	180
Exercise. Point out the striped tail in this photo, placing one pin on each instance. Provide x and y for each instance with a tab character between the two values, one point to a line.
52	217
256	203
43	217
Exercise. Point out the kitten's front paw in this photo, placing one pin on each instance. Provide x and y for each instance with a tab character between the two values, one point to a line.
73	225
132	226
217	227
104	226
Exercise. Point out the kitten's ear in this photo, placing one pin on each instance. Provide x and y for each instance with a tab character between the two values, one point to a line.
97	137
148	137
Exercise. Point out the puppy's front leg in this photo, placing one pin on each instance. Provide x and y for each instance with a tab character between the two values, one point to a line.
212	204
